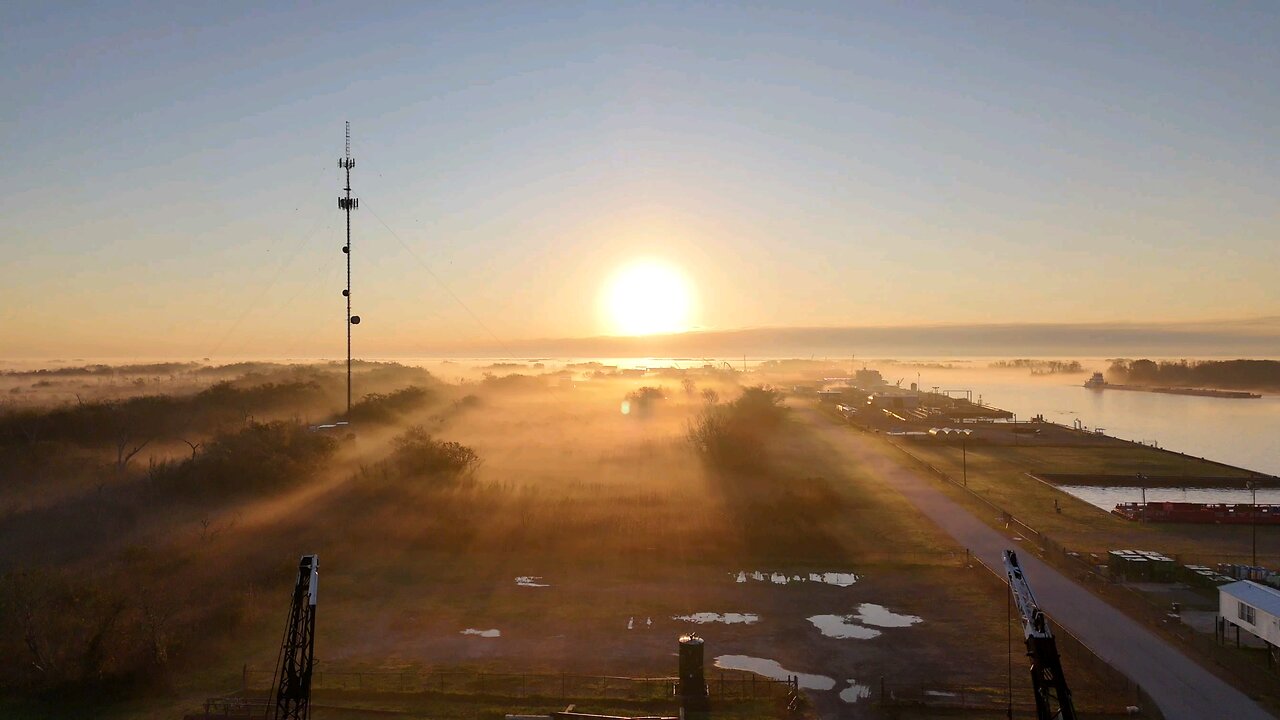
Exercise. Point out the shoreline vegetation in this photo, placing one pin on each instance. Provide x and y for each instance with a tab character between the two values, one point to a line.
1211	374
1040	367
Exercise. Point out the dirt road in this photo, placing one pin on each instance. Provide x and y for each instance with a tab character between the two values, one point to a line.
1181	687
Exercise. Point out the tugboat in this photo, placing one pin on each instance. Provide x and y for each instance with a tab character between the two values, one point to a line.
1097	382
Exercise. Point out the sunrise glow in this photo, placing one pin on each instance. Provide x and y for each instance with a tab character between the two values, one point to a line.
647	298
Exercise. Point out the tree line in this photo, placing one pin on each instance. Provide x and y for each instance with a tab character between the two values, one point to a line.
1225	374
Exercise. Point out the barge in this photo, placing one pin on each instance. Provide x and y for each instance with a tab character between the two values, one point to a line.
1098	383
1200	513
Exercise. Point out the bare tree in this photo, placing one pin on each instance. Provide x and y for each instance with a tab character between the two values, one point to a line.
126	447
25	590
710	396
210	530
155	623
130	433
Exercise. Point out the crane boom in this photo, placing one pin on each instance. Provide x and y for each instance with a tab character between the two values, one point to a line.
1053	697
297	653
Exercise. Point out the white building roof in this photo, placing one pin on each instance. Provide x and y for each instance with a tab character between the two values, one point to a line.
1260	596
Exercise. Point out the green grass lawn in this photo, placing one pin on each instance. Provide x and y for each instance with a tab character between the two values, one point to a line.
999	474
1104	460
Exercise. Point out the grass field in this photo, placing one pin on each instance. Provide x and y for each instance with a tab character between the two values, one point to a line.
1000	475
623	523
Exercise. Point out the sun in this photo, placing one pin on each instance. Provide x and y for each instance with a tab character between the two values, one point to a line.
647	297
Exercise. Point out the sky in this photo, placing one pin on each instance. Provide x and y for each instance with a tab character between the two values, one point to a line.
170	177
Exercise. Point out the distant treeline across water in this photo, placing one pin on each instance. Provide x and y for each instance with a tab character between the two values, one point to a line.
1041	367
1197	373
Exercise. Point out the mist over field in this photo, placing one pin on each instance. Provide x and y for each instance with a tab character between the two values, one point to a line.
1230	338
640	361
151	513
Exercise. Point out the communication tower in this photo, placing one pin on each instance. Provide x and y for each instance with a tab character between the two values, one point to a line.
347	204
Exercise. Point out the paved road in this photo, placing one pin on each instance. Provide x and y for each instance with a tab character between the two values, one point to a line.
1181	687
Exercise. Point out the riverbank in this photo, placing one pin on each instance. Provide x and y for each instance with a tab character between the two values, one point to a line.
1235	434
1182	688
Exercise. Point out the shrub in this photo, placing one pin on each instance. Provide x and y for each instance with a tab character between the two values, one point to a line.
415	453
378	408
735	434
641	402
258	457
515	382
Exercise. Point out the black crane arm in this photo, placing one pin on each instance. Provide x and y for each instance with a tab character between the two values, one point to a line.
297	653
1053	697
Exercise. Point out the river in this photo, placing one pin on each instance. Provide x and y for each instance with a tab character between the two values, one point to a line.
1245	433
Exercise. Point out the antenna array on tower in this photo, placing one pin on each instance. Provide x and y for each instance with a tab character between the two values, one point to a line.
347	204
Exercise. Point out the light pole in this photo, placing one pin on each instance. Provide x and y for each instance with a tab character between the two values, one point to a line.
1253	518
1141	484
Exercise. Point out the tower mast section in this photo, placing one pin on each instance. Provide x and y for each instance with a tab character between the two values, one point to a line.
348	203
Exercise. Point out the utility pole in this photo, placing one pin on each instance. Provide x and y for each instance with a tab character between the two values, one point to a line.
348	203
1253	518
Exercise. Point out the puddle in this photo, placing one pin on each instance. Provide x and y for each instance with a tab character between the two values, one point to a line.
771	669
940	693
530	581
855	692
726	618
854	626
482	633
838	626
881	616
839	579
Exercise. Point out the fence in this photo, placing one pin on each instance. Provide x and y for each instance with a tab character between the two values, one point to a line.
953	697
234	707
1082	659
1068	644
722	684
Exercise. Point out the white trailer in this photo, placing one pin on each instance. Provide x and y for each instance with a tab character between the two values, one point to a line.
1252	607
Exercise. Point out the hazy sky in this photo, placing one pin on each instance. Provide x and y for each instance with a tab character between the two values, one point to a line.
170	184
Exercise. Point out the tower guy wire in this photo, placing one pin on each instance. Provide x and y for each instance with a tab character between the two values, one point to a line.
476	318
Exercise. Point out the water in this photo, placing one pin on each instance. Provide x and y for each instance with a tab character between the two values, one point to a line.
880	616
841	628
531	581
839	579
482	633
771	669
702	618
1245	433
1108	497
855	692
854	626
